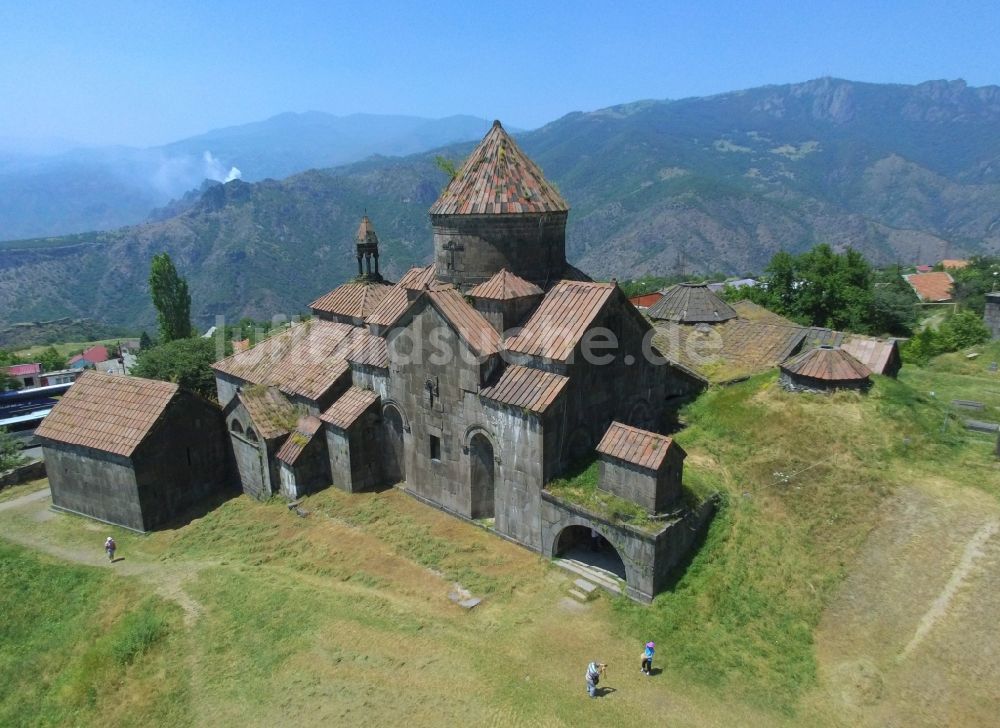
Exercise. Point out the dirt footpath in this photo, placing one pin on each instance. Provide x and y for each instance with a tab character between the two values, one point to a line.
912	637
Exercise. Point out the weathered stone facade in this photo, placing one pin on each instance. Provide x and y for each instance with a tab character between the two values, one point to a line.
991	314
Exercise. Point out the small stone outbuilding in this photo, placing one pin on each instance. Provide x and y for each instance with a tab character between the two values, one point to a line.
302	460
824	369
991	314
132	452
640	466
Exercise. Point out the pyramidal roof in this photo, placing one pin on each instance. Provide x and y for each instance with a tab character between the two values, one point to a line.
827	363
366	232
504	286
691	303
498	179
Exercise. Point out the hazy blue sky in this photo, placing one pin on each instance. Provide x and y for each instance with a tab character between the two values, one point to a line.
145	73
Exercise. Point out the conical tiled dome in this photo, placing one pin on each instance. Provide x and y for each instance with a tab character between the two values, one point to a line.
691	303
498	179
828	364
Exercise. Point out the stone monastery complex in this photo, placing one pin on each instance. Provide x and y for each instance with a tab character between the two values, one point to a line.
472	383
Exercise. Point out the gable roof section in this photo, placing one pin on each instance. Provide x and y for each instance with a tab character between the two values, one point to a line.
95	354
108	412
691	303
527	388
747	309
561	320
391	308
933	287
473	329
356	299
876	354
271	414
504	286
306	360
641	448
349	407
22	370
497	179
417	279
369	350
296	443
826	363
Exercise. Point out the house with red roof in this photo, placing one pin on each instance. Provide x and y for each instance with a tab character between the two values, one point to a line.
26	375
90	358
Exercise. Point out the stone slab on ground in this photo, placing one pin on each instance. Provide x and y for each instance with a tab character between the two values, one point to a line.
585	586
578	595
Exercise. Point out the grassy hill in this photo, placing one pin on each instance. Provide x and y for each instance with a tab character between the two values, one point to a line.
903	173
829	591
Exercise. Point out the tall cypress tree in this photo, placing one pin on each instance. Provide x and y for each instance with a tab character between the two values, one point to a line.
171	299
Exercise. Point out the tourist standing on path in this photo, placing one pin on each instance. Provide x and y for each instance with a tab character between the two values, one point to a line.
647	658
595	671
110	546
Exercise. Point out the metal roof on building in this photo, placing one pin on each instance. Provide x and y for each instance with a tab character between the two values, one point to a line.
497	179
642	448
417	279
826	363
111	413
349	407
932	287
21	370
504	286
691	303
295	445
531	389
389	310
561	320
271	413
356	299
306	360
474	330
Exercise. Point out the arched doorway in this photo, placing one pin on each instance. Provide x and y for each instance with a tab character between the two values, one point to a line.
583	544
481	476
395	464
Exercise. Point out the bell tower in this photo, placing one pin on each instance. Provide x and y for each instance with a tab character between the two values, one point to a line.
367	251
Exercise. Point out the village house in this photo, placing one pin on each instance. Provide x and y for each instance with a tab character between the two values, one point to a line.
25	375
471	381
132	452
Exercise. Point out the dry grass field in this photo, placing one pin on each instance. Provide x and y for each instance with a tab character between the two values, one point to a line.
851	578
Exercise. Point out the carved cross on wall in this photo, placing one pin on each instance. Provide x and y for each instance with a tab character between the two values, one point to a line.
451	246
431	385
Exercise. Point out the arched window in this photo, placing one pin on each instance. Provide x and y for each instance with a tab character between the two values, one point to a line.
251	435
236	427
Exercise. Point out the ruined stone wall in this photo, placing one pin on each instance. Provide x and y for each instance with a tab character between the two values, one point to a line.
991	315
93	483
531	246
183	459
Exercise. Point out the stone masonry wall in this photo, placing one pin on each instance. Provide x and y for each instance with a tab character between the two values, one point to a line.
93	483
991	315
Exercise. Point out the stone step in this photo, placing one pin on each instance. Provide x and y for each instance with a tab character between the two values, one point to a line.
609	582
579	596
585	586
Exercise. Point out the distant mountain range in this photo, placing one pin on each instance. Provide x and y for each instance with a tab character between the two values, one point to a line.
903	173
101	188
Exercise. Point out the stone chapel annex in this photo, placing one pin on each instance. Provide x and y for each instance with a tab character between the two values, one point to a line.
465	381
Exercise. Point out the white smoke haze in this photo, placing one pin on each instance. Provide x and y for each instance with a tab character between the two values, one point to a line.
172	176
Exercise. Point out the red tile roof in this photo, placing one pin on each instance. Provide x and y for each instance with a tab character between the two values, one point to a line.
530	389
828	364
497	179
389	310
355	299
369	350
272	415
561	320
954	264
931	287
639	447
349	407
646	299
21	370
294	446
504	286
417	279
108	412
96	354
307	359
474	330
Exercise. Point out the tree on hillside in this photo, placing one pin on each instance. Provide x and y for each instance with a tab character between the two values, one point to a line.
973	282
835	290
959	331
51	360
145	342
171	299
187	362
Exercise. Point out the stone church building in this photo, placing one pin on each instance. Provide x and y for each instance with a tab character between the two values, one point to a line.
473	381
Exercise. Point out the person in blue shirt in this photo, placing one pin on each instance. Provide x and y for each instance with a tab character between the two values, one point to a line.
595	671
647	658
